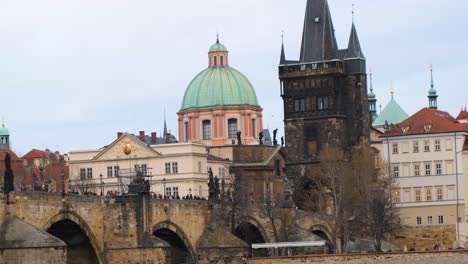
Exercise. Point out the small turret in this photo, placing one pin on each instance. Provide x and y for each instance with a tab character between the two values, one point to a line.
4	137
218	55
432	95
372	99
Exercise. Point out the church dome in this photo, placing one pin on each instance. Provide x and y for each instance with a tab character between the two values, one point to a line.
219	85
4	131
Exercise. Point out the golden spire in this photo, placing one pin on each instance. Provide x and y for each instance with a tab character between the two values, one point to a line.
392	91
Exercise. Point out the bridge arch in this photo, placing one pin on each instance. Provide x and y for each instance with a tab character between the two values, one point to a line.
325	233
176	237
255	223
81	223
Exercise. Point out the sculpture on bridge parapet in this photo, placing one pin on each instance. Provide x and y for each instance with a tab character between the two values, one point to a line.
260	137
211	184
275	142
239	137
9	177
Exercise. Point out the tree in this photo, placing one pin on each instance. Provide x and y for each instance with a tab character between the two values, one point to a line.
376	213
352	192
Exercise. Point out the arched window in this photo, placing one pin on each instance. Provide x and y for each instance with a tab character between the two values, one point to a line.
215	61
232	128
222	61
206	129
254	129
186	127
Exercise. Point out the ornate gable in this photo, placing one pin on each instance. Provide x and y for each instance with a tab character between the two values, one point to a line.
124	147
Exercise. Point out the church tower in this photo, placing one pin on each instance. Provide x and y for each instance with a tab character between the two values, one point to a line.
324	94
372	99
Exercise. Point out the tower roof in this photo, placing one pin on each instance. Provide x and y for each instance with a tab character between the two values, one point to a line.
318	37
218	47
4	131
354	47
392	114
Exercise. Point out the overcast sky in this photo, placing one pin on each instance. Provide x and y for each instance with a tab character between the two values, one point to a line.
74	73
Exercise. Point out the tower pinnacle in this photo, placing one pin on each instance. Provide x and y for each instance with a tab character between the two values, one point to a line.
432	92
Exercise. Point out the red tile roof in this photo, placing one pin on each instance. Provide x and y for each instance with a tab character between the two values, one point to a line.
35	153
427	120
463	115
13	155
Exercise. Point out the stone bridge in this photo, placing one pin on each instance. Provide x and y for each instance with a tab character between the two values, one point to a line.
140	229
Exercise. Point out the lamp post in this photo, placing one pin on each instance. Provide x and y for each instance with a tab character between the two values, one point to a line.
69	185
102	184
164	190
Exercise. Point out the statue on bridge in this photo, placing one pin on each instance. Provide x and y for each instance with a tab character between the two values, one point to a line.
9	177
239	137
260	138
217	191
275	142
211	185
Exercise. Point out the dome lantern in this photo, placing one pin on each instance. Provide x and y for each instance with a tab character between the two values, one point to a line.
218	55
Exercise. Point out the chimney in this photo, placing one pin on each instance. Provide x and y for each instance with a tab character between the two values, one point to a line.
153	138
142	136
168	138
119	134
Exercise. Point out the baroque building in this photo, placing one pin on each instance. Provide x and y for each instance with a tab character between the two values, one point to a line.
219	102
324	93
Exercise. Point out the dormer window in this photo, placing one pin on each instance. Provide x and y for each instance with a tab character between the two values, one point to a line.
427	128
405	129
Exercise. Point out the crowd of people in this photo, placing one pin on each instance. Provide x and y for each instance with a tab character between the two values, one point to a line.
177	197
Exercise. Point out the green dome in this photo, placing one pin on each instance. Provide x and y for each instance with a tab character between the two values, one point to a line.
432	91
219	87
4	131
217	47
371	95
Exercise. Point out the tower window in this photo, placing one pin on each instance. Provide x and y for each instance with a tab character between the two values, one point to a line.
299	105
232	128
324	102
186	126
222	60
254	130
206	130
215	61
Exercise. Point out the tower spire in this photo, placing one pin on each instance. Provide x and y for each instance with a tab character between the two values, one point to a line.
392	91
432	92
165	126
318	37
372	99
283	56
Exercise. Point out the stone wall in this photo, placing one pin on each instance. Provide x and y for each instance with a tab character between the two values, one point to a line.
423	238
136	256
34	256
391	258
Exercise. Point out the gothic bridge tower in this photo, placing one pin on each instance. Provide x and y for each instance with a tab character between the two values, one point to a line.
324	94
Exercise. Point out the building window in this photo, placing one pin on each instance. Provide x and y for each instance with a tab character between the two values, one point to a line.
417	169
428	195
116	171
232	128
418	195
206	129
395	148
186	126
419	220
215	61
396	197
396	170
415	146
437	145
175	168
168	191
222	173
168	168
254	128
89	173
426	146
441	219
109	171
199	167
299	105
440	194
429	220
438	168
222	60
82	173
200	193
175	192
324	103
277	168
428	169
